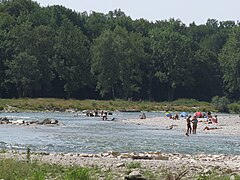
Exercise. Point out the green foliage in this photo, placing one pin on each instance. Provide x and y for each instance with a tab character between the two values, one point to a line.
105	63
43	104
230	62
172	53
23	72
234	107
71	57
221	103
189	102
216	176
13	169
133	165
57	52
77	174
18	7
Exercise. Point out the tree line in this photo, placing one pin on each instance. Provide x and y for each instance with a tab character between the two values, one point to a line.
57	52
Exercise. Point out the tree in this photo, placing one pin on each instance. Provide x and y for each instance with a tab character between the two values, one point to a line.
131	56
105	66
230	63
206	72
116	60
71	59
6	23
172	54
42	48
18	7
96	23
221	103
23	72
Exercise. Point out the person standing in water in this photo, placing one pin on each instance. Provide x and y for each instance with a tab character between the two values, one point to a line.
189	127
194	121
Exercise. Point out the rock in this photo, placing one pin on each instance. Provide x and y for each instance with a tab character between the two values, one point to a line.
232	177
124	156
142	157
105	154
135	175
48	121
120	165
97	155
83	155
114	153
33	122
4	120
54	121
207	171
19	122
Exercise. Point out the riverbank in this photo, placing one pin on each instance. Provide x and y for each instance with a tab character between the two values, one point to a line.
71	105
227	124
145	165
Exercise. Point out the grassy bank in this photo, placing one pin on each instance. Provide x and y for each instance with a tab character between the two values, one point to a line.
12	169
45	104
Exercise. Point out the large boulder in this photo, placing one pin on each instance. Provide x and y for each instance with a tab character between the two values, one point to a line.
49	121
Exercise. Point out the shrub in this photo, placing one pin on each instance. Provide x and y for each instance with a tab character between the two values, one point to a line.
234	107
221	103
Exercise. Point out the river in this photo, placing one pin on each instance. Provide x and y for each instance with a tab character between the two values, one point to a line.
81	134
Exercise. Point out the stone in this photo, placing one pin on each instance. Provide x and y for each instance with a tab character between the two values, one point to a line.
114	153
19	122
48	121
135	175
207	171
120	165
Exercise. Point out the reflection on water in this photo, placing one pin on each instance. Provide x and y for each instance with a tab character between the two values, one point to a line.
92	135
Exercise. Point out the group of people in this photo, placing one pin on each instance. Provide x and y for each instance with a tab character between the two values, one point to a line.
191	128
192	123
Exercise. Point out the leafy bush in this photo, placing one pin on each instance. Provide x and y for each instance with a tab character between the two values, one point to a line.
221	103
234	107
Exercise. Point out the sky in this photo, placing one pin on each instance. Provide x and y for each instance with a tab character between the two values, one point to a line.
188	11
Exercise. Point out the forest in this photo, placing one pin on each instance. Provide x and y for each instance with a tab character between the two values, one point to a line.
56	52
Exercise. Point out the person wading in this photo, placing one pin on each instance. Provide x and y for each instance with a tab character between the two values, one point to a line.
189	127
194	121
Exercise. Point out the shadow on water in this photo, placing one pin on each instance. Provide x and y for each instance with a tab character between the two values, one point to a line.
92	135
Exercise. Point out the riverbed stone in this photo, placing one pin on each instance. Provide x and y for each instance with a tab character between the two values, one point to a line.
135	175
232	177
120	165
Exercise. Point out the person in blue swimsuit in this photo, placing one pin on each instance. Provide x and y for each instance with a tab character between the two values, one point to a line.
195	122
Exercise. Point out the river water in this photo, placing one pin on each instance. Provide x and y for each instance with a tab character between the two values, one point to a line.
81	134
